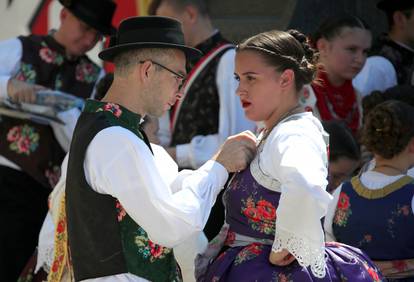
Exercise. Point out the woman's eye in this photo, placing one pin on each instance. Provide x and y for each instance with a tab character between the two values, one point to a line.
237	78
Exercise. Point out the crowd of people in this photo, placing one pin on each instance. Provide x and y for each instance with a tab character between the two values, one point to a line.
283	157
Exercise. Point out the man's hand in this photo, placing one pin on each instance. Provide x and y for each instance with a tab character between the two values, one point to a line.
22	92
237	152
281	258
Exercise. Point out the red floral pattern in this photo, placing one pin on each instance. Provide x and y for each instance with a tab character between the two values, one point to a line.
113	108
50	56
23	139
343	210
261	215
86	72
121	211
249	252
149	249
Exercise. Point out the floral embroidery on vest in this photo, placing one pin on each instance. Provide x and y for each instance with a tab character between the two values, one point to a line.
281	277
372	272
261	215
50	56
86	72
366	240
24	139
343	210
111	107
26	73
398	212
121	213
149	249
247	253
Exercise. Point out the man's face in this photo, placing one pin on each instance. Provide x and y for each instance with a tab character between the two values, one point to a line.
79	38
167	10
165	87
409	28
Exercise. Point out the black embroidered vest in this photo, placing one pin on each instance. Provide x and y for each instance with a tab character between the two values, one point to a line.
401	58
199	112
30	145
103	238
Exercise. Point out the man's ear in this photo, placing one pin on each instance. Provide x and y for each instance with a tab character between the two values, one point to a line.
63	14
145	71
287	78
191	14
399	19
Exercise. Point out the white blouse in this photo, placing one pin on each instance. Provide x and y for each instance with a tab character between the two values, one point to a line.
295	154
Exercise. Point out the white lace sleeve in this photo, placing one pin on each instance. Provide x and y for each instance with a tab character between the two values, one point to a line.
295	154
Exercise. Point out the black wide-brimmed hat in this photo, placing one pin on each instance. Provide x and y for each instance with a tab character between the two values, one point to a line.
95	13
148	32
395	5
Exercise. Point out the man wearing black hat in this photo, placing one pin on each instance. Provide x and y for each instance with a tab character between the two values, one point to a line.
392	56
30	154
126	203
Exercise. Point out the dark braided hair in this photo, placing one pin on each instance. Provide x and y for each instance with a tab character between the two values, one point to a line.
284	50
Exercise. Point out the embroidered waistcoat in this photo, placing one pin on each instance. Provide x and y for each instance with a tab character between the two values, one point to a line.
199	112
380	222
103	239
31	145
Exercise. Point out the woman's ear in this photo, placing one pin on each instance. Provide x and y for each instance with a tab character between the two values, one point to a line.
287	78
322	45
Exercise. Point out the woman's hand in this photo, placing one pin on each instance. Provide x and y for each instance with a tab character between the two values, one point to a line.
281	258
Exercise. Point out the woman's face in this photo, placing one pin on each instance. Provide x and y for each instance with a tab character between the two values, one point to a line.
340	171
259	86
344	55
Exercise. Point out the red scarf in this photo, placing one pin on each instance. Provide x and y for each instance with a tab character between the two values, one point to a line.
336	103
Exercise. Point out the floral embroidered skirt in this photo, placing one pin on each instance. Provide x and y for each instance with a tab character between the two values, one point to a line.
251	263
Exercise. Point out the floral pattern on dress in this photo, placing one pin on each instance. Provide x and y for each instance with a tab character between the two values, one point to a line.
53	175
247	253
366	240
23	139
343	210
149	249
26	73
111	107
398	212
281	277
231	237
86	72
121	213
373	273
49	56
261	215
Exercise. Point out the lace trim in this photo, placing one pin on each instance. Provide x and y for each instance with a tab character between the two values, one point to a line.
307	253
262	178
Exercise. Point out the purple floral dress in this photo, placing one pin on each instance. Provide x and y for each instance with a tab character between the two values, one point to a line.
250	218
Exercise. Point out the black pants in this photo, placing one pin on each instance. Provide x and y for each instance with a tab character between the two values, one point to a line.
23	207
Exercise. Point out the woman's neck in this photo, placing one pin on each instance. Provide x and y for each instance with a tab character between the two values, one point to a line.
334	80
391	167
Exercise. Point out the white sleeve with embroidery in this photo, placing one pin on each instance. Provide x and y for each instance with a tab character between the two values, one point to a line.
295	154
119	164
231	118
10	55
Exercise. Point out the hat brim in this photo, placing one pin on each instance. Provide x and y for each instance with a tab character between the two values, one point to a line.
110	53
105	30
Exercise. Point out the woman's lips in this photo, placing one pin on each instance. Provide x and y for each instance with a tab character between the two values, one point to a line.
245	104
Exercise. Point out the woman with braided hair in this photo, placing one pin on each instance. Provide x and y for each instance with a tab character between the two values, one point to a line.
374	211
273	229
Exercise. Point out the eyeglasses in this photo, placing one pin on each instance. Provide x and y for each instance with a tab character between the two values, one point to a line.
178	77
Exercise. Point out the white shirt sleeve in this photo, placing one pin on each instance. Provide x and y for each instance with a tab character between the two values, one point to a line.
119	164
296	156
377	74
329	235
11	51
231	118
